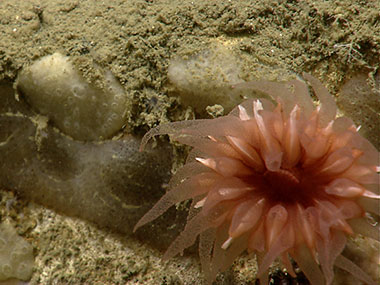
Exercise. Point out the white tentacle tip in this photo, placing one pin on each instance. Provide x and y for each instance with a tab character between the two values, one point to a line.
227	243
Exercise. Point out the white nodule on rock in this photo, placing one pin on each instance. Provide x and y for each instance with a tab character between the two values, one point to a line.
205	79
55	88
16	254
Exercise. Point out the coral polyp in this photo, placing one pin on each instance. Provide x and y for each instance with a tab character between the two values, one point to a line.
277	178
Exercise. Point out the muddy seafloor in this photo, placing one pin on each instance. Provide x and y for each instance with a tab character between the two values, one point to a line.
333	40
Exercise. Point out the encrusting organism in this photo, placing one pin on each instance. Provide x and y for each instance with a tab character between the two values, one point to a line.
278	178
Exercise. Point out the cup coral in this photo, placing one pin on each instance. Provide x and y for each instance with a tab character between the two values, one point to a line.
277	178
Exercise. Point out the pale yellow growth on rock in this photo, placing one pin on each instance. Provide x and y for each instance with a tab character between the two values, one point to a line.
16	254
55	88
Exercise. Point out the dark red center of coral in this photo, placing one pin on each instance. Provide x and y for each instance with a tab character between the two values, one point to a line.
288	186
